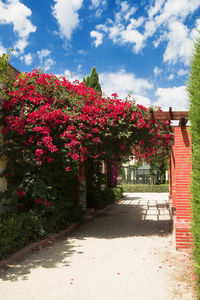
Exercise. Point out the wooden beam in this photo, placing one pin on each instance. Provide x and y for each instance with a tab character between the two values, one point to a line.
167	115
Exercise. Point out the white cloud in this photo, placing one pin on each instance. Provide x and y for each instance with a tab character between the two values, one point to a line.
82	52
123	29
153	10
45	60
182	72
175	97
157	71
43	53
142	100
98	36
48	63
79	68
132	36
164	22
123	83
170	77
180	45
96	3
71	76
28	59
15	13
66	14
177	9
169	21
99	6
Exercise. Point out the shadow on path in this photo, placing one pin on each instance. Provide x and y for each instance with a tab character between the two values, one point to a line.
127	219
49	257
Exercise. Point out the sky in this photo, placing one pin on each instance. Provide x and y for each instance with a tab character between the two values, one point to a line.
140	48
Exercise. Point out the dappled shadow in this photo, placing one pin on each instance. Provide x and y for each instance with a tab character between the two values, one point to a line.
59	253
129	219
133	217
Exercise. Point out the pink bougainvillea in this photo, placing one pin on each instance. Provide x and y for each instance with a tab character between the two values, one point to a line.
49	119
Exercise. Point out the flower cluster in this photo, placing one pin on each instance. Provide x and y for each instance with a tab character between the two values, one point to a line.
49	119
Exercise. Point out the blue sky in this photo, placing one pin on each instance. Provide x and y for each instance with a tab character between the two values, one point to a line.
140	47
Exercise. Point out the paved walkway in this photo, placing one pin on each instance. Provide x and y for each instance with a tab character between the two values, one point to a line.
126	253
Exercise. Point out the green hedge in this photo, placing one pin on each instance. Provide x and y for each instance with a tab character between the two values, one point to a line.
145	188
18	230
194	99
100	199
111	195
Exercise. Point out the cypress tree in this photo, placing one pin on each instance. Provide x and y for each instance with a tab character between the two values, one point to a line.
87	80
193	88
92	81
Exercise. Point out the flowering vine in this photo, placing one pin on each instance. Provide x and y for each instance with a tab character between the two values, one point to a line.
51	121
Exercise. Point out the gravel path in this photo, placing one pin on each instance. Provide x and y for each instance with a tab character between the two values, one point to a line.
126	253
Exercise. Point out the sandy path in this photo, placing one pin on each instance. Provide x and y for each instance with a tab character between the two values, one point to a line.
126	253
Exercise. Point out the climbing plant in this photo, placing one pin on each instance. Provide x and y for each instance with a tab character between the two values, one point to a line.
51	126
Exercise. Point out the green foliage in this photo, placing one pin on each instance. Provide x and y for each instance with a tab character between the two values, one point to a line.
194	100
93	81
94	180
105	197
5	73
18	230
161	165
145	188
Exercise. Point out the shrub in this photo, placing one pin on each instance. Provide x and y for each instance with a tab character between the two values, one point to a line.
17	230
103	198
145	188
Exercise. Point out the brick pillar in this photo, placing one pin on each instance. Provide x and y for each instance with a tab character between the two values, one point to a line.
183	168
173	178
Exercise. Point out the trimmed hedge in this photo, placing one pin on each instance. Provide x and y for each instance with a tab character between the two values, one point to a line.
20	229
111	195
145	188
194	100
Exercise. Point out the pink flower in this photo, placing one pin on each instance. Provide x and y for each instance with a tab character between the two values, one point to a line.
67	169
114	95
47	203
38	201
122	147
20	193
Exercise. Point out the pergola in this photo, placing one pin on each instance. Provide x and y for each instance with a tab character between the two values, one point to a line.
179	174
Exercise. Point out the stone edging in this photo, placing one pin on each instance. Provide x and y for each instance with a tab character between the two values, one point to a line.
44	243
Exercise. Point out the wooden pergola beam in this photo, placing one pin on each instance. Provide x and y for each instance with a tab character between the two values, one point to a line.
167	115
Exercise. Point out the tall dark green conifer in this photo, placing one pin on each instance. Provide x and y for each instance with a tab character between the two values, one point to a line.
193	88
93	81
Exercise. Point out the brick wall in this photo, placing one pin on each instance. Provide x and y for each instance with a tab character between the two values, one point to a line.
181	168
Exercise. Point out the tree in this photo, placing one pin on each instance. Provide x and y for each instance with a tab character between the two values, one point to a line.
193	88
93	81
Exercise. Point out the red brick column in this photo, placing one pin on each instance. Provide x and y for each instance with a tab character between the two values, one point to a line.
173	170
181	199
